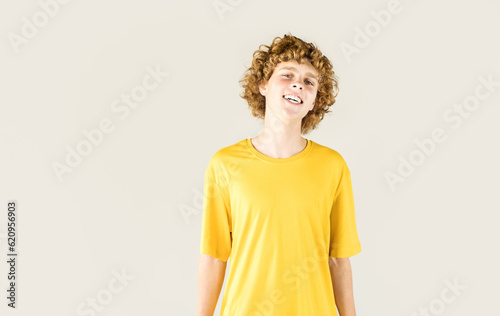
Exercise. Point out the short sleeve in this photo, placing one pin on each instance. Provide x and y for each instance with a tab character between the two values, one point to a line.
216	238
344	241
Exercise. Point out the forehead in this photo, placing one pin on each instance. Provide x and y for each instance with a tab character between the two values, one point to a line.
305	67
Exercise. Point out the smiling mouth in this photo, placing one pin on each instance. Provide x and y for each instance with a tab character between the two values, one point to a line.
293	99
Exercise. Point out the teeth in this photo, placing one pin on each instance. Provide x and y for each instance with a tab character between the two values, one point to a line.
292	98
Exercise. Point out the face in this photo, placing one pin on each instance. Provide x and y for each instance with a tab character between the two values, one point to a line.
289	83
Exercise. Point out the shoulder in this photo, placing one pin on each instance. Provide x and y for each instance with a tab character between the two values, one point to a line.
228	152
330	154
225	158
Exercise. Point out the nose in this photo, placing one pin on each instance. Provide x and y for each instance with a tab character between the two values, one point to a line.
295	85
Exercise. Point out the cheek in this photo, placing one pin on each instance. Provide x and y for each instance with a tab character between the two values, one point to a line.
281	82
279	86
313	91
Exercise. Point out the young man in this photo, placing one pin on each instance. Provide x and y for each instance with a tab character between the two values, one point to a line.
279	205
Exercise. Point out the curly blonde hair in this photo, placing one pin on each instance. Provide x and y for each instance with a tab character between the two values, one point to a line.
290	48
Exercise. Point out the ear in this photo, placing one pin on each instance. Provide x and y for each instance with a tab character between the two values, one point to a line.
263	88
312	107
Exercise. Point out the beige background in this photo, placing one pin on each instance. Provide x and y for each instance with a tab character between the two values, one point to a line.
134	202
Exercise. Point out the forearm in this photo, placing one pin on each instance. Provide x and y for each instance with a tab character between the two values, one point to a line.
341	274
210	279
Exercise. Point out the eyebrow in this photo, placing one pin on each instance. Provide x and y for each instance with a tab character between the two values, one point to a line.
295	69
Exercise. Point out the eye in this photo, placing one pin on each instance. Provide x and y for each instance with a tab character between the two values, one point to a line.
310	82
287	75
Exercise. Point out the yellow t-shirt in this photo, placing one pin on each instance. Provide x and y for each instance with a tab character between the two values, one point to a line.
279	221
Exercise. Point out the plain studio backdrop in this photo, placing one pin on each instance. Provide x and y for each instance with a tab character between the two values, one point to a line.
111	111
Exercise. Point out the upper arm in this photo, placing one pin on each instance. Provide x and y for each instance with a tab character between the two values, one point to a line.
216	231
344	241
211	259
337	262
